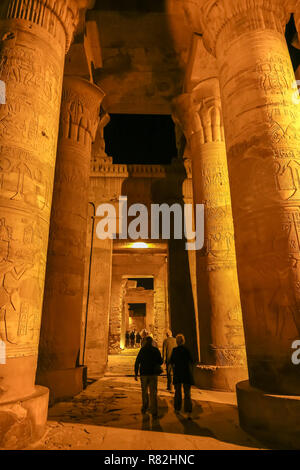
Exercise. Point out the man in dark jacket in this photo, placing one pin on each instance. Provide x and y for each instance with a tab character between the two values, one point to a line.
132	338
148	362
138	339
168	345
181	361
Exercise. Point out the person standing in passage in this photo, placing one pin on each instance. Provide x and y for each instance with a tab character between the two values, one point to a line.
132	338
154	343
138	339
144	333
168	345
181	361
148	363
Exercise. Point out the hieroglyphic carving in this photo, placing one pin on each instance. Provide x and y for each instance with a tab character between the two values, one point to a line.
81	101
20	298
31	65
202	123
26	67
201	119
22	181
262	138
275	74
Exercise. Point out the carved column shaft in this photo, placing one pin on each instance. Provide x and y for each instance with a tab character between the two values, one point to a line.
96	351
97	276
34	36
262	136
31	64
222	345
61	323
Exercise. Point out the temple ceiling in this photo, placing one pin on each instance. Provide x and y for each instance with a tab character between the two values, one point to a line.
140	53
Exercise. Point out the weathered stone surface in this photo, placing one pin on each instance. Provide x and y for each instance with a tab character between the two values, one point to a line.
140	52
97	334
262	128
142	66
23	422
107	416
262	138
34	39
61	323
222	344
273	419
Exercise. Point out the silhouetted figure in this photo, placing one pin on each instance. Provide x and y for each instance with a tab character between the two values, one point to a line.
168	345
148	362
138	339
132	338
181	361
144	334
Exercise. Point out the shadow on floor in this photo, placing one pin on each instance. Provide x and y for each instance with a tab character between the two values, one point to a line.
116	402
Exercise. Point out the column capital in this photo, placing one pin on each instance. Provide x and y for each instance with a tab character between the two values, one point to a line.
200	112
240	17
80	110
57	17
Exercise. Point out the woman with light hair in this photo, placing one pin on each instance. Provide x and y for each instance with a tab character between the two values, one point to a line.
145	335
182	362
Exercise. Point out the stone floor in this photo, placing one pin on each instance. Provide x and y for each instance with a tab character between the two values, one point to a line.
106	416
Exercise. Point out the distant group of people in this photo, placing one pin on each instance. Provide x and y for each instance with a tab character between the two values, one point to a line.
132	338
135	339
178	362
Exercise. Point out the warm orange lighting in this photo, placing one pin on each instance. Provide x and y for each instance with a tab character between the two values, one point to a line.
139	245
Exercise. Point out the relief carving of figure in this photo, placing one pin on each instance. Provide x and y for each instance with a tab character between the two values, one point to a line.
10	275
273	77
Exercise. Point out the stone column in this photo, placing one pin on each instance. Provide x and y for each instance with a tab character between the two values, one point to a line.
262	137
187	191
99	307
34	37
97	331
159	307
222	344
61	322
116	314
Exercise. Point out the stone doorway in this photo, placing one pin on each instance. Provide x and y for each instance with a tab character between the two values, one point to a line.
137	317
139	294
138	310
